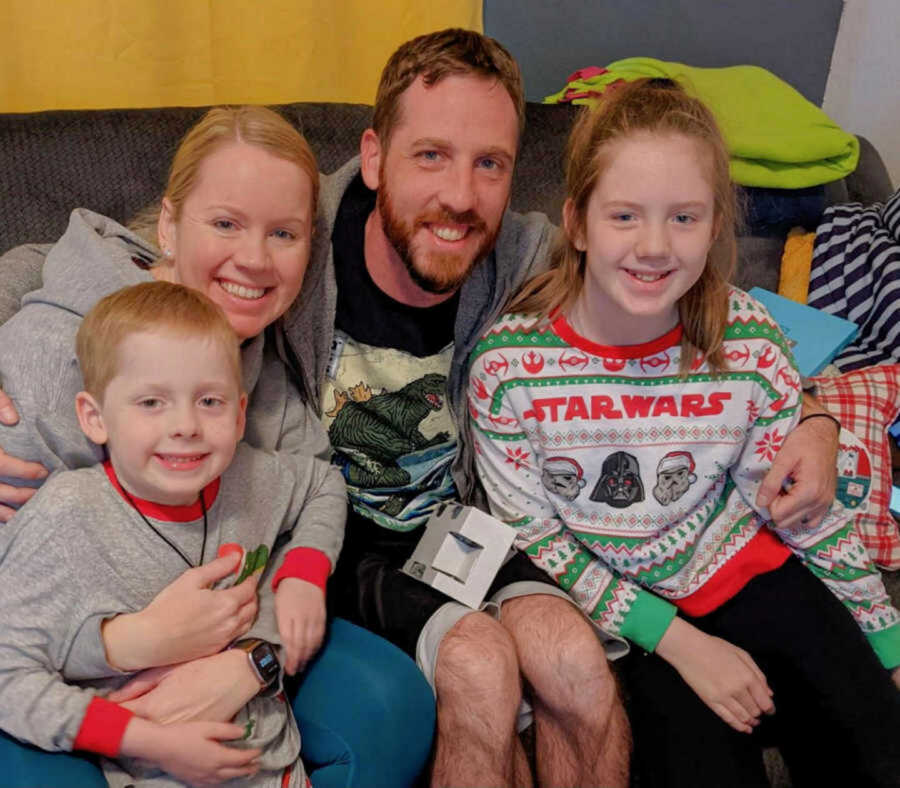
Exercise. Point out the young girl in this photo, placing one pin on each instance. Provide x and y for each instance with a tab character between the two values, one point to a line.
625	413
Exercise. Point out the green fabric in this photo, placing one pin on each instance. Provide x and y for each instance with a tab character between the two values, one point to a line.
886	643
776	137
648	620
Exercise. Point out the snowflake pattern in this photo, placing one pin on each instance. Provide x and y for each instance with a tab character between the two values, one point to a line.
517	457
768	447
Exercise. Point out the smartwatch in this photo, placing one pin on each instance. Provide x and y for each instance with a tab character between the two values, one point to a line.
263	660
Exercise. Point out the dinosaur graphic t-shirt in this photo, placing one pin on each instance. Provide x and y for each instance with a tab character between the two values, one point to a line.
391	430
384	398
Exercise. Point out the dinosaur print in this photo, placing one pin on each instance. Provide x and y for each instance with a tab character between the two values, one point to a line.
373	433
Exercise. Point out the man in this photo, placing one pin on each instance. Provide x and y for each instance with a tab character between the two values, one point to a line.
408	284
416	255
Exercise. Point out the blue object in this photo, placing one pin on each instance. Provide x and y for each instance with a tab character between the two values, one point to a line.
815	337
365	711
895	500
894	430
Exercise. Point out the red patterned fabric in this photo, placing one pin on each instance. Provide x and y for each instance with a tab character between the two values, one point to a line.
867	402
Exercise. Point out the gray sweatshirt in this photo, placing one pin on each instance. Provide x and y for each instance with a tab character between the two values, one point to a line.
38	368
79	552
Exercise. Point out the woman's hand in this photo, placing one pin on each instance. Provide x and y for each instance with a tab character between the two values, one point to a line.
724	676
212	689
300	610
192	752
186	620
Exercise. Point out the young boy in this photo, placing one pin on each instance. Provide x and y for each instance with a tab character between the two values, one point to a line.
163	394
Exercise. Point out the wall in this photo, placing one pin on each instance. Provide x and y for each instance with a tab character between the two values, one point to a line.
863	89
552	38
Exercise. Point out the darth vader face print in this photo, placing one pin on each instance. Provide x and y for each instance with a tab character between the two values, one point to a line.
620	483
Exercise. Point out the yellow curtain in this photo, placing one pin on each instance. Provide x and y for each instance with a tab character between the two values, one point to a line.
84	54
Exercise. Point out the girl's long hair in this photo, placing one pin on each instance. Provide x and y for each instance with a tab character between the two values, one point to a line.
660	107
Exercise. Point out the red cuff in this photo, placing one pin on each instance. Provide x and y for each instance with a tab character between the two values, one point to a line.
304	563
102	728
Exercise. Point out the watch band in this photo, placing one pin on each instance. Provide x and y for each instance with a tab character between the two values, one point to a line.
263	660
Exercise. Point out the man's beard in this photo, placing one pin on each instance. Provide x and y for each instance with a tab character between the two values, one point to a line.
440	272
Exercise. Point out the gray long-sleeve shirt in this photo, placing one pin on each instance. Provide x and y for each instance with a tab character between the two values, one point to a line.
79	552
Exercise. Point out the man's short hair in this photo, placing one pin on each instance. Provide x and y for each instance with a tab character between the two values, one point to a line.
150	306
438	55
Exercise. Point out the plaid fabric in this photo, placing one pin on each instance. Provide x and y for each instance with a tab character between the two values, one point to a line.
867	402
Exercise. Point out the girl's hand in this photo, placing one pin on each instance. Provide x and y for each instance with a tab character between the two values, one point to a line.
191	751
300	611
212	689
724	676
186	620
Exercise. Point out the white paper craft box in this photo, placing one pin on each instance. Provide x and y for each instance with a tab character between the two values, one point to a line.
460	552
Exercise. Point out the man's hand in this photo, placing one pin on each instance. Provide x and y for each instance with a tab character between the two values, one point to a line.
190	751
724	676
12	497
212	689
8	413
186	620
300	611
808	458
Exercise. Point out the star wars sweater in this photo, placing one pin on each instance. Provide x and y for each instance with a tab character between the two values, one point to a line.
634	488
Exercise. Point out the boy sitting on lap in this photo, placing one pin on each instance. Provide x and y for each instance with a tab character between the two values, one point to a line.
163	393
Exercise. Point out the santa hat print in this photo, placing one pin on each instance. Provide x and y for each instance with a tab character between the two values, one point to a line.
567	465
675	460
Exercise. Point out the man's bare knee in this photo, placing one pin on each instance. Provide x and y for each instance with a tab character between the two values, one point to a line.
559	652
476	656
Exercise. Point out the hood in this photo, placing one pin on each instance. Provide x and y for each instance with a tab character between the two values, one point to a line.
93	258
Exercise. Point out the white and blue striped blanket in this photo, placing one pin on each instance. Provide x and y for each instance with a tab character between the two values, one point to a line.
855	274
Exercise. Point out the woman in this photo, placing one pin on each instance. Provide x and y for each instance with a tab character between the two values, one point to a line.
236	223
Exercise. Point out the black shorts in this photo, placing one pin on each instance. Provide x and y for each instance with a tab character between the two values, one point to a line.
369	588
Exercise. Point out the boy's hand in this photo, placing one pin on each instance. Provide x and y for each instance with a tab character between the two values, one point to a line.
191	751
186	620
300	610
724	676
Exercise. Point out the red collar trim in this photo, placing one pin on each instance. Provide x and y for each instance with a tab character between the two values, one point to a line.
164	512
564	331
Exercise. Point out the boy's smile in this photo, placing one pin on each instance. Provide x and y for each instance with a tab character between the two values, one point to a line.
171	417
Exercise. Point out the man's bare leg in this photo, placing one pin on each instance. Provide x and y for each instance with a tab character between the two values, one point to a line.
582	737
478	694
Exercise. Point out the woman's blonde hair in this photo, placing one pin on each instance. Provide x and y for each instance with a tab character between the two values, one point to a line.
656	106
254	125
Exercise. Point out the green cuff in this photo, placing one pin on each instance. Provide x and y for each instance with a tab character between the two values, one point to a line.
647	620
886	643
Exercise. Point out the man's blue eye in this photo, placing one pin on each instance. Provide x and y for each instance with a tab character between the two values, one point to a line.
490	164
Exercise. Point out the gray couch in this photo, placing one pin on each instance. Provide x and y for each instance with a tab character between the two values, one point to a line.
114	162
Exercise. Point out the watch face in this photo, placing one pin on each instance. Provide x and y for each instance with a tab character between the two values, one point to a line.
266	662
